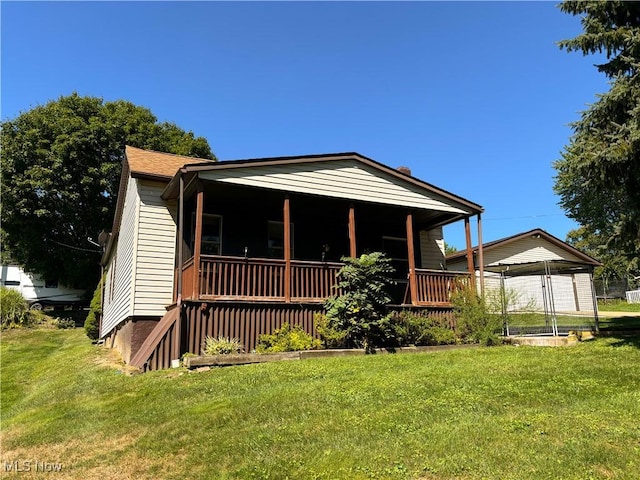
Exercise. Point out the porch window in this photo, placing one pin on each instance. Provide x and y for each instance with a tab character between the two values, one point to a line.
275	239
211	241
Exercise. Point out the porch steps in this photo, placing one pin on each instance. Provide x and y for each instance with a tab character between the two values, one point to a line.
161	345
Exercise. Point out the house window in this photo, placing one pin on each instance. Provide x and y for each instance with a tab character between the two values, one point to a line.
112	278
211	241
275	239
51	283
12	283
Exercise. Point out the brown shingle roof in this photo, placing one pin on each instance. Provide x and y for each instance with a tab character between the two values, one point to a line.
157	164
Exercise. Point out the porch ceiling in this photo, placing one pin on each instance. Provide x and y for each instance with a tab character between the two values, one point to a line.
318	205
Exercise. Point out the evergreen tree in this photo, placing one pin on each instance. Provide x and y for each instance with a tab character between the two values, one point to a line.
598	176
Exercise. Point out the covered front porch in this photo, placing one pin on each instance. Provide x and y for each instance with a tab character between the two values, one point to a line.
239	243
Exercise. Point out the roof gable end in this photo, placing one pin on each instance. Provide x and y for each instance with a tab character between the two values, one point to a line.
342	175
525	246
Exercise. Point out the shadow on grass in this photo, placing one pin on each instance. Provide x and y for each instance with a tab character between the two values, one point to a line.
620	323
624	340
625	330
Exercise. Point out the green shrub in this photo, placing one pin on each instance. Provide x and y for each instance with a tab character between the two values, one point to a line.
361	309
14	310
330	336
287	339
415	329
92	322
63	323
475	322
221	345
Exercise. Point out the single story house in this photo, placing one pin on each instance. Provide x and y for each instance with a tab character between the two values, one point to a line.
237	248
539	268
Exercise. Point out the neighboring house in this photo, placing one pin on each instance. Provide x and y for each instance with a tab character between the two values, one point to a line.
39	293
237	248
530	261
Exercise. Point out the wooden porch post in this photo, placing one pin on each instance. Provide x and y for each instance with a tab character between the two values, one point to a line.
178	294
470	266
480	255
413	287
287	249
352	232
177	341
198	242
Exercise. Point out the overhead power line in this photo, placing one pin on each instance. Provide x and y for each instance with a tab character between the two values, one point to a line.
524	216
72	247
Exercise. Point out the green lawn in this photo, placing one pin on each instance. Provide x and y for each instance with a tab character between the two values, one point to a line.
618	306
478	413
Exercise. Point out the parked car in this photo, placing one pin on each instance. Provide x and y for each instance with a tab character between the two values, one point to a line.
37	292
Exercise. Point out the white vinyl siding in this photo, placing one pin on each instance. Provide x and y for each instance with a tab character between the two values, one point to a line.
585	294
119	279
459	265
432	248
348	179
571	292
527	250
154	266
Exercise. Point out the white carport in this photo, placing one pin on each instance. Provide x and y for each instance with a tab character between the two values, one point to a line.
542	284
561	290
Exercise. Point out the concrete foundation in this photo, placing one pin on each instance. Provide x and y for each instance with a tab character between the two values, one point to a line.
129	337
544	340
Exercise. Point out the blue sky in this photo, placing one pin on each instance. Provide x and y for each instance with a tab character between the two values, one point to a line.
474	97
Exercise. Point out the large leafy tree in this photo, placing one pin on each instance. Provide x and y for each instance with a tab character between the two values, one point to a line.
615	266
61	164
598	176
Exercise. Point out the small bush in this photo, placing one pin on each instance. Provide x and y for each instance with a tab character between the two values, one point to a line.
287	339
475	322
63	323
92	322
221	345
330	336
14	310
413	329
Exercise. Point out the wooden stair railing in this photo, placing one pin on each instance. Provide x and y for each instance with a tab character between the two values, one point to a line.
162	345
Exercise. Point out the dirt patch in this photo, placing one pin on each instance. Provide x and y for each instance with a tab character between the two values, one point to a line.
110	358
95	458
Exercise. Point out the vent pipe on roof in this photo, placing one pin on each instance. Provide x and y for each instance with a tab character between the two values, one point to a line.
405	170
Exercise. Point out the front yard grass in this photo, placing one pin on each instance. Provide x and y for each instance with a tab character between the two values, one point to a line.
497	413
618	305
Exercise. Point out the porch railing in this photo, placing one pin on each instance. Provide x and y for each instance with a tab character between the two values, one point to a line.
313	280
261	279
237	278
434	287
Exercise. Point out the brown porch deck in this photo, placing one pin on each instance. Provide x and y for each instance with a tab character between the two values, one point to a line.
297	281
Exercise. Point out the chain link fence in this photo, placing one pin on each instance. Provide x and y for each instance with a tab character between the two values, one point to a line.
545	298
